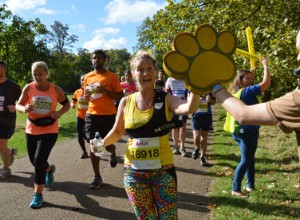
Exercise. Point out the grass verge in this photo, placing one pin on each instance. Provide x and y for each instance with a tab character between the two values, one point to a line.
277	194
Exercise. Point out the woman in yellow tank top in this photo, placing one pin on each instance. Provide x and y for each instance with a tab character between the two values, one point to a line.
149	176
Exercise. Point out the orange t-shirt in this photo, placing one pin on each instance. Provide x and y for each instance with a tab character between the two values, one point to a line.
44	103
101	104
82	103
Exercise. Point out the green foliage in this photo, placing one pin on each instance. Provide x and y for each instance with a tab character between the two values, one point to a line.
21	44
118	60
274	25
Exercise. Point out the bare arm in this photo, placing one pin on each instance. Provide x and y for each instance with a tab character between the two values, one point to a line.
64	107
245	114
119	128
183	107
21	104
267	76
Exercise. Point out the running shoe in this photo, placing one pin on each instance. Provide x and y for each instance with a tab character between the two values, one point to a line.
97	182
195	154
175	150
84	155
37	201
50	176
4	173
13	152
182	151
203	161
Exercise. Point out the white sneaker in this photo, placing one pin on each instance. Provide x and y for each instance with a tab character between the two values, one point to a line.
4	173
182	151
175	150
13	152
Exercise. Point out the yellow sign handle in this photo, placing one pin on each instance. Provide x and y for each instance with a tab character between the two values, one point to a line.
251	52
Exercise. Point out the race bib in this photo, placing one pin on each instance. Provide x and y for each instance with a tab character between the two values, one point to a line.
41	104
2	98
92	88
203	107
83	103
145	153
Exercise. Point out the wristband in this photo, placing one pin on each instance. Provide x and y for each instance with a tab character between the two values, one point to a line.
216	88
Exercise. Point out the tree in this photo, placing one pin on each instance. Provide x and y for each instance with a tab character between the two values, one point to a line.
21	43
60	37
274	24
118	60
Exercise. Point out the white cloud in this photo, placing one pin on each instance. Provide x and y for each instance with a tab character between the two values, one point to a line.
44	11
102	40
124	11
18	5
108	30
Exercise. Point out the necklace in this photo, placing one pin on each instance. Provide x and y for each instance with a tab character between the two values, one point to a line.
144	102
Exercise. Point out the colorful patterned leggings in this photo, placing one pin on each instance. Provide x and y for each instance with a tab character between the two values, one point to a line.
152	193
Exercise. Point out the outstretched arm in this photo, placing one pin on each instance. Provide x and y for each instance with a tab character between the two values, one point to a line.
244	114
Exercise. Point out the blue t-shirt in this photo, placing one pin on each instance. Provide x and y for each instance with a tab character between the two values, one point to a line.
249	97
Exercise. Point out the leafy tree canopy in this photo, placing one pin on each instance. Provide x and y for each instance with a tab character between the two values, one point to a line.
274	25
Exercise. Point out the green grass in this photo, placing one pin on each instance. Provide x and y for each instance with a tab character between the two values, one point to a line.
277	176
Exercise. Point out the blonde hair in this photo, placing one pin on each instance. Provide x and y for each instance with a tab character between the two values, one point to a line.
236	83
40	64
139	55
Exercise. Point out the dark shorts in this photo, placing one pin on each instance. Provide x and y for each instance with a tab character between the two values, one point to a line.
180	117
6	132
101	123
201	122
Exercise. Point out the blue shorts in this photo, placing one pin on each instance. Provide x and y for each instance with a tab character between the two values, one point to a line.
6	132
201	122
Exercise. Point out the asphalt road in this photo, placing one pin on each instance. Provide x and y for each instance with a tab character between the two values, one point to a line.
71	198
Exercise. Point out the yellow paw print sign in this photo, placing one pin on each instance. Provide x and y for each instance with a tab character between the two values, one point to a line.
203	59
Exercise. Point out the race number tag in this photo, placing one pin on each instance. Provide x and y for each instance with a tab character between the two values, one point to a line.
83	103
145	153
41	104
203	107
2	98
92	88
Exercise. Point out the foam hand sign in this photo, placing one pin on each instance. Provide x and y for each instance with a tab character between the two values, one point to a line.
203	59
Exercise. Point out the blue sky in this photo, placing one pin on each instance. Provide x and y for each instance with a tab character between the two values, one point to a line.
104	24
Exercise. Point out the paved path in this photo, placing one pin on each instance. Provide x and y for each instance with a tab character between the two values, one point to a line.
71	198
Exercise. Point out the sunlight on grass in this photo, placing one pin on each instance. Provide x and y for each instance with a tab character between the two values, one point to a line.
277	194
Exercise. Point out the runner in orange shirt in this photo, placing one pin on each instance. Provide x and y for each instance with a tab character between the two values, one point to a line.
101	88
78	97
39	99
